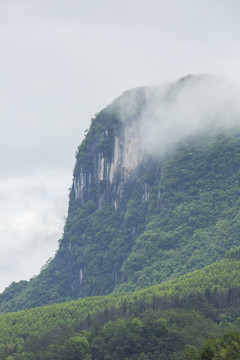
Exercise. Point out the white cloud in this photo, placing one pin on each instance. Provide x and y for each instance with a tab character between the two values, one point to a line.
196	105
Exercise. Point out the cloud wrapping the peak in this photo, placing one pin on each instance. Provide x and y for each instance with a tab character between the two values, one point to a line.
191	106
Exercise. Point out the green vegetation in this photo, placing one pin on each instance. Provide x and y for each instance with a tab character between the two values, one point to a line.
173	223
226	347
153	323
193	213
178	214
189	219
175	214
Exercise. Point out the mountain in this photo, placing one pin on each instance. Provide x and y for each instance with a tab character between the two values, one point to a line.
155	194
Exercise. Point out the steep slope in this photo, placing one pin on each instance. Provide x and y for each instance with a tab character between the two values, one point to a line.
155	194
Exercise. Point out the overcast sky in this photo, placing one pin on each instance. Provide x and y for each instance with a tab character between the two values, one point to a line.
61	62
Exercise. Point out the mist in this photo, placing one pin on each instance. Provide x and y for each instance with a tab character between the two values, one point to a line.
194	105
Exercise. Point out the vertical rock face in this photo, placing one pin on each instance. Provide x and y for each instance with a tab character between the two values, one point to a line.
107	172
107	159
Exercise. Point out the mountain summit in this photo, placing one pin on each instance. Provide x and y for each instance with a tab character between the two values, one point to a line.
155	194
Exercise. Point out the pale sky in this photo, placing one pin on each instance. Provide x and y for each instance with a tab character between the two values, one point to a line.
61	62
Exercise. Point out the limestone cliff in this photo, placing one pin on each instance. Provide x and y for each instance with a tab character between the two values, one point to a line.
155	194
109	156
109	169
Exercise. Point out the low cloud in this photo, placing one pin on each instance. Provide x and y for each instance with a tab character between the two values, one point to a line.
169	114
191	106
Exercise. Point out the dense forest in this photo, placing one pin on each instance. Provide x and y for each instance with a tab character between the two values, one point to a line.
154	323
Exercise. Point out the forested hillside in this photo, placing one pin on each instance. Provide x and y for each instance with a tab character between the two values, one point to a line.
154	323
139	217
150	247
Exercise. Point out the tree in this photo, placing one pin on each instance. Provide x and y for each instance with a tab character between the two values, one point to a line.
77	348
